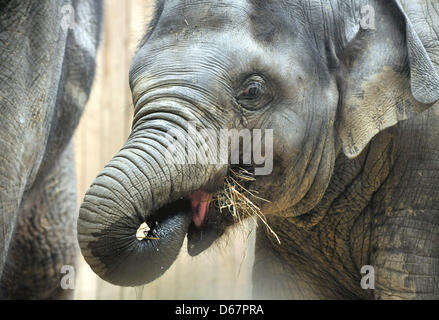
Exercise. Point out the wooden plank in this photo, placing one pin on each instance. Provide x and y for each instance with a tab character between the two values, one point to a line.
113	97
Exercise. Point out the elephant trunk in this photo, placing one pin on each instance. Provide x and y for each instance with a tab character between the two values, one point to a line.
141	186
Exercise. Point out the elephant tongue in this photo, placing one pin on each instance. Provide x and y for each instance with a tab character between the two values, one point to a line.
200	204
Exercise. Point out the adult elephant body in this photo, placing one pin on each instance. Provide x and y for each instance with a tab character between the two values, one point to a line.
348	88
47	62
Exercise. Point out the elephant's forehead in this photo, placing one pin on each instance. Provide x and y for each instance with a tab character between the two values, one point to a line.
265	21
183	15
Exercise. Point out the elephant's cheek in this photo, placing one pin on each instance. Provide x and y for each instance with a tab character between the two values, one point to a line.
294	148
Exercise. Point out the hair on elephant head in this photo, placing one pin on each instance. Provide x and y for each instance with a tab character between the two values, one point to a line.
307	70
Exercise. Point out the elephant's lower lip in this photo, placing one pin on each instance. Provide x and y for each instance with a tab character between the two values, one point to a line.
213	227
200	202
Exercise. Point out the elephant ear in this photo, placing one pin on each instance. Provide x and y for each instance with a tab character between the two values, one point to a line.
387	76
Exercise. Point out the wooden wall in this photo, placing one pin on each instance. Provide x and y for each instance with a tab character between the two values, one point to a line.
224	271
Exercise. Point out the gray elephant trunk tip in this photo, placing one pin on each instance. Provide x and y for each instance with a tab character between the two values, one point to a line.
128	255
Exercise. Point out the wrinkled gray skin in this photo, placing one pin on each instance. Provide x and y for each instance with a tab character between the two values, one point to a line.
46	72
356	163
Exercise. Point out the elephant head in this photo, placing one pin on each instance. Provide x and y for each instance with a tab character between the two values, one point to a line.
308	70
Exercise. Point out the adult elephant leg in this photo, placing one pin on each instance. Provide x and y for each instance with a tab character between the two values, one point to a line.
12	183
44	239
10	197
32	54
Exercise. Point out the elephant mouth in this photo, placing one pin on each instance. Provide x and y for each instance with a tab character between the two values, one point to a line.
206	220
209	223
198	212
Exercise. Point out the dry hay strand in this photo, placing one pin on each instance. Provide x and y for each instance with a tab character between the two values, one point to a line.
143	231
239	201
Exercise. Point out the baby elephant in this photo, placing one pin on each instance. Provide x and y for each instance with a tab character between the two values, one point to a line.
340	97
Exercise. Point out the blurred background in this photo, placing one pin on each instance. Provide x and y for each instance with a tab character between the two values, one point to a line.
223	271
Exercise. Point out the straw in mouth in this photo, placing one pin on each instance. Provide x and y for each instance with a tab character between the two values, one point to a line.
239	200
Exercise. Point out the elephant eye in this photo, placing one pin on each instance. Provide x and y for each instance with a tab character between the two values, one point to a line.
254	93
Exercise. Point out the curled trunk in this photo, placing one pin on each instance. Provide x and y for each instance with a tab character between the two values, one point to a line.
141	184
